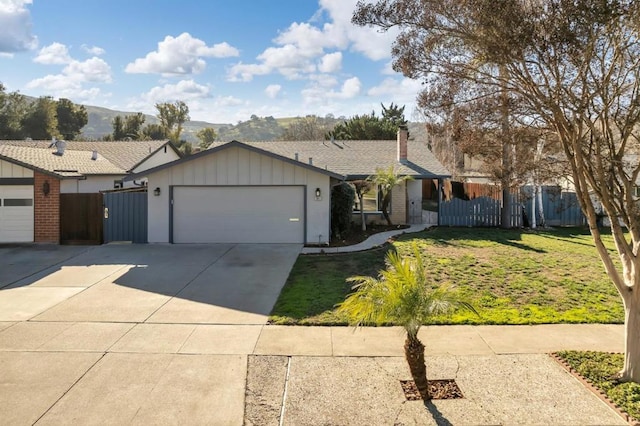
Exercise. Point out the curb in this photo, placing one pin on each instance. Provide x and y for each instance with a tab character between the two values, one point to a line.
595	390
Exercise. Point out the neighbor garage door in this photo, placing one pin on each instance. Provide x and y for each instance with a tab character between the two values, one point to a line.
16	214
238	214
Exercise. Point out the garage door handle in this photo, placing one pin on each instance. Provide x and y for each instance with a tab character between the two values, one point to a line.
294	219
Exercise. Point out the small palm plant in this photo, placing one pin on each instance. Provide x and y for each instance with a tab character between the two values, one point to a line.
402	294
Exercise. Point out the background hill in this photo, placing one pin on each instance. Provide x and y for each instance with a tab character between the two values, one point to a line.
256	128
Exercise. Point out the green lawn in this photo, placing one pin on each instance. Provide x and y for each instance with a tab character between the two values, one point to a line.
510	276
599	368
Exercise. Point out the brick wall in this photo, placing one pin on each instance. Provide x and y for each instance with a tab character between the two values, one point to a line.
399	204
46	209
398	208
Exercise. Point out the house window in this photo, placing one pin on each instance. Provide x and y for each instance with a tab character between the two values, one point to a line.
372	200
18	202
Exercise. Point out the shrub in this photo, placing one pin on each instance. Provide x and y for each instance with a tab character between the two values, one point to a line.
342	197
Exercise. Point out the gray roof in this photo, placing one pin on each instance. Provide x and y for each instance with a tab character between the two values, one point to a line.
125	155
357	159
71	164
219	147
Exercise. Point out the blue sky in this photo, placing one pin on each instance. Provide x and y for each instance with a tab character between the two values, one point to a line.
226	59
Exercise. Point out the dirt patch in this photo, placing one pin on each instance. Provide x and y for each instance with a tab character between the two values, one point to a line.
438	389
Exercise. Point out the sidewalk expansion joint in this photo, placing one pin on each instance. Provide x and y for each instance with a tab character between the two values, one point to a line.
284	394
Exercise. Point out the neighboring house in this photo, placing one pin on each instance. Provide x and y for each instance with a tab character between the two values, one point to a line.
276	191
33	174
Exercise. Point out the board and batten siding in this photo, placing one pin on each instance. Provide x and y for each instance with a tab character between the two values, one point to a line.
10	170
162	156
237	166
90	185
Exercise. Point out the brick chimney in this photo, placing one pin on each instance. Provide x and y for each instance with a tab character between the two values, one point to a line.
403	136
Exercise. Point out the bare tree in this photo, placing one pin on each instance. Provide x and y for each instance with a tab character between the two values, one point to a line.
576	66
309	128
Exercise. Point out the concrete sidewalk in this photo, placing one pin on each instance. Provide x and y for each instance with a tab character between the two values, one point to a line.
371	242
87	372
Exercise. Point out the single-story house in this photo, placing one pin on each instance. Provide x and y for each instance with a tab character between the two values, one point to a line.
33	174
276	191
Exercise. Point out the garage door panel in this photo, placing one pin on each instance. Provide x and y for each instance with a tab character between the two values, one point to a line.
16	213
242	214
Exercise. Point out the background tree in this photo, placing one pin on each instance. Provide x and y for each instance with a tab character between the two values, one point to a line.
172	116
13	107
576	66
154	132
40	121
133	126
394	114
309	128
71	118
207	136
385	180
118	129
403	294
370	126
255	129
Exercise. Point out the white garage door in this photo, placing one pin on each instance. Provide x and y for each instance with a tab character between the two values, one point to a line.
238	214
16	214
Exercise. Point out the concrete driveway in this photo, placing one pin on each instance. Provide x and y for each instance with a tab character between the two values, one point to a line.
195	284
143	334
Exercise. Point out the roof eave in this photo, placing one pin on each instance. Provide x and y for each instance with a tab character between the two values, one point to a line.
31	167
415	176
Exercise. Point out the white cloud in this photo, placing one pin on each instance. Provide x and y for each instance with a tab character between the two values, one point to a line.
400	91
246	72
388	69
331	62
70	82
55	53
299	47
320	95
93	50
94	69
63	86
324	80
183	90
351	88
15	26
272	90
218	109
180	55
370	42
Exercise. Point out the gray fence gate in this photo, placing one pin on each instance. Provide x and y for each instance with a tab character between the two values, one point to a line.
561	208
125	217
482	211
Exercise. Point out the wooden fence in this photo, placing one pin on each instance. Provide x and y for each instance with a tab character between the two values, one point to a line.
81	218
482	211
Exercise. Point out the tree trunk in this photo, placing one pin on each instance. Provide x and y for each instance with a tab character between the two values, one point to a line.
631	370
414	353
540	206
533	208
505	181
363	223
385	208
